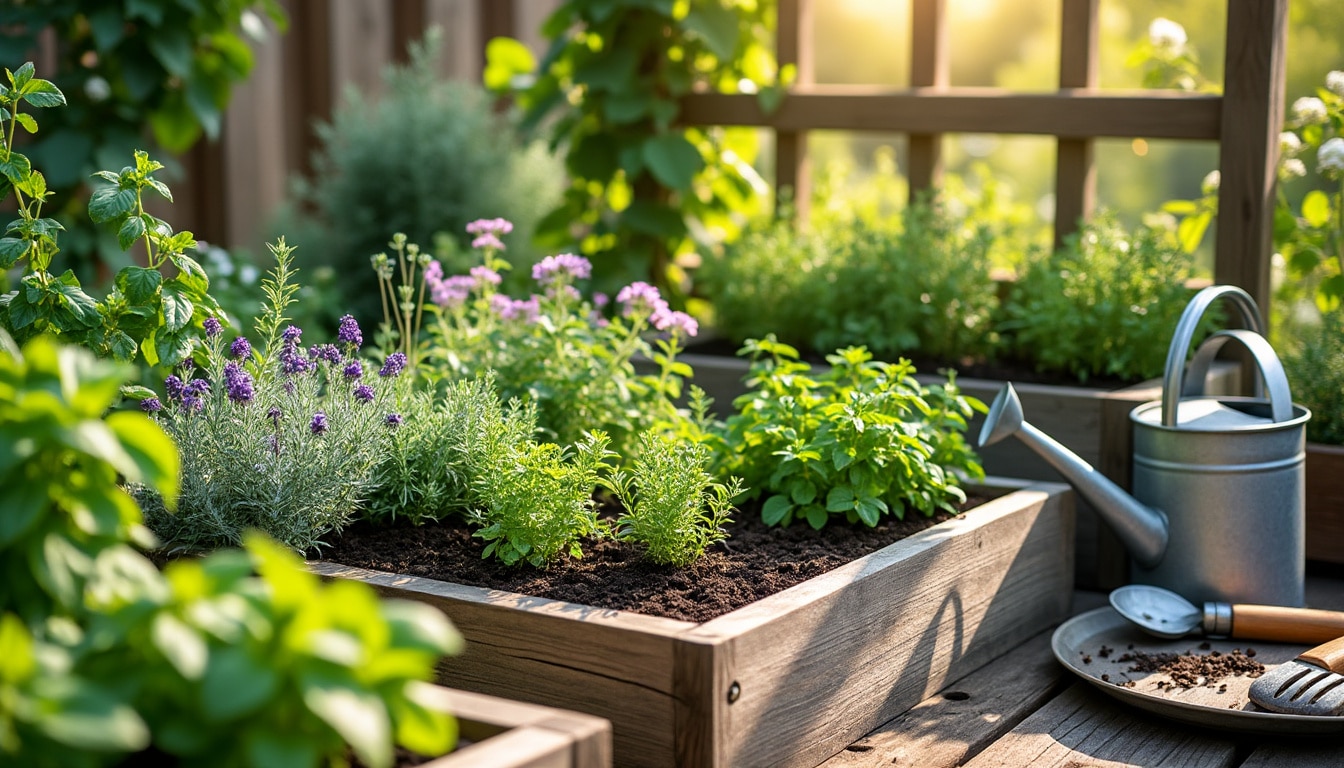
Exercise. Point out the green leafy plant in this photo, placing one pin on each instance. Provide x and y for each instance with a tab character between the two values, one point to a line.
103	658
146	312
283	438
150	71
612	81
860	440
63	462
1315	366
537	498
1095	306
672	505
455	160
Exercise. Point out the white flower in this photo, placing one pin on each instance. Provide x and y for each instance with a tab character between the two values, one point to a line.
1210	183
1292	168
1167	35
1334	82
1289	144
97	89
1309	110
1330	158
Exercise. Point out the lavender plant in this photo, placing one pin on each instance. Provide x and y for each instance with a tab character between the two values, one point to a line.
673	506
283	439
860	440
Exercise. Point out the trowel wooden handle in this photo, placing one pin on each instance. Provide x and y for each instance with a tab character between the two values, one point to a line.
1327	656
1287	625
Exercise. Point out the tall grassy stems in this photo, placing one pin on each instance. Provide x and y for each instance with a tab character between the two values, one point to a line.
1315	365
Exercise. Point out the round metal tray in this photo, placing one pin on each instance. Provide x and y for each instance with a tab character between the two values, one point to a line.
1078	645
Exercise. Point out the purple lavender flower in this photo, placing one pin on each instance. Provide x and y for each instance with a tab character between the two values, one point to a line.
274	415
327	352
192	404
641	300
353	370
319	423
679	323
491	226
291	362
393	420
213	327
291	334
349	333
196	388
151	405
241	348
364	393
488	240
564	268
237	383
393	365
172	387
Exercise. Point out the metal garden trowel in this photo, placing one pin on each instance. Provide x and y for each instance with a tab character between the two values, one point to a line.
1311	684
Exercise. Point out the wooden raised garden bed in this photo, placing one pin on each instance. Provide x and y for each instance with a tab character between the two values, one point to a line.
790	679
1091	422
1325	503
499	733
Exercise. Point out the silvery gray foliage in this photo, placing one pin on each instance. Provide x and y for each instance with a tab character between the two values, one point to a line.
283	439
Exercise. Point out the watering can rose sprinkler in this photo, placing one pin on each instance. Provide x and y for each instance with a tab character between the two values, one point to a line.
1218	508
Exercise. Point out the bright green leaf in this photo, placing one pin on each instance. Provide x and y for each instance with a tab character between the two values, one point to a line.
775	509
131	230
110	203
358	716
181	645
177	308
1316	208
840	499
139	284
672	160
505	58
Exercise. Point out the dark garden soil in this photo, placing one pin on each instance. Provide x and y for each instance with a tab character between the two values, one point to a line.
756	561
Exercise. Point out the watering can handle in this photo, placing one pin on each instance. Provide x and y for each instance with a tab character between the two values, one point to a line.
1185	334
1271	370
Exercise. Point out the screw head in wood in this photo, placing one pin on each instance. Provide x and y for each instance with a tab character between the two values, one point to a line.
734	692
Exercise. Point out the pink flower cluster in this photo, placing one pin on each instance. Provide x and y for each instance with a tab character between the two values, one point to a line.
565	268
488	232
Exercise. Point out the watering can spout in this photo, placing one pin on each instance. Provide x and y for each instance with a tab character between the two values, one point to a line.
1142	528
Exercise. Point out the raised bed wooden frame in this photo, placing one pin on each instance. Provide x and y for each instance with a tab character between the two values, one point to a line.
511	734
789	680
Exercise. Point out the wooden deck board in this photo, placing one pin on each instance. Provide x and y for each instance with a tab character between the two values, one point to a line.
966	717
1080	727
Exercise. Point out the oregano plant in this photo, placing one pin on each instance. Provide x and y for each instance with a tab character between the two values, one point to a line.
146	312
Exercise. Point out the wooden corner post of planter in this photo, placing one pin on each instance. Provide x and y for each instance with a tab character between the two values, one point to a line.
789	680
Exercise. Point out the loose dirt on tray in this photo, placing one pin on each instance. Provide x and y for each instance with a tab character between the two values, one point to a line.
1188	670
756	561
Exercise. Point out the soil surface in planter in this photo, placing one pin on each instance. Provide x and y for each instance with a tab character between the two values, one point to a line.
756	561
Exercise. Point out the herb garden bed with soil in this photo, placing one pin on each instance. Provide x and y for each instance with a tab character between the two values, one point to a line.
789	679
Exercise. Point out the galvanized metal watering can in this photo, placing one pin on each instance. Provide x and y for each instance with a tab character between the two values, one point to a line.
1218	511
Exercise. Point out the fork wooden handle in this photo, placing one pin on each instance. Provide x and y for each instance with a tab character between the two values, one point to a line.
1286	625
1327	656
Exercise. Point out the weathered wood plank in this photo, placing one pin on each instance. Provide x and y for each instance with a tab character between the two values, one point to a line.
511	734
960	594
793	45
1307	753
1325	503
1079	64
960	721
1077	113
552	653
1081	727
930	65
1253	98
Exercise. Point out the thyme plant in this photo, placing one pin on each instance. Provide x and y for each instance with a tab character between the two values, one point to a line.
673	506
860	440
283	439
